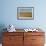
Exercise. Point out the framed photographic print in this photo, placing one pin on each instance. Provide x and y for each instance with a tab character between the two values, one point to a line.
25	13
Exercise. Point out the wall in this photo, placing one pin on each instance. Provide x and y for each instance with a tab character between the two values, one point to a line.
9	13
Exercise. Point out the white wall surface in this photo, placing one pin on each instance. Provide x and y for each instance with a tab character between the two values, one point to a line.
9	13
